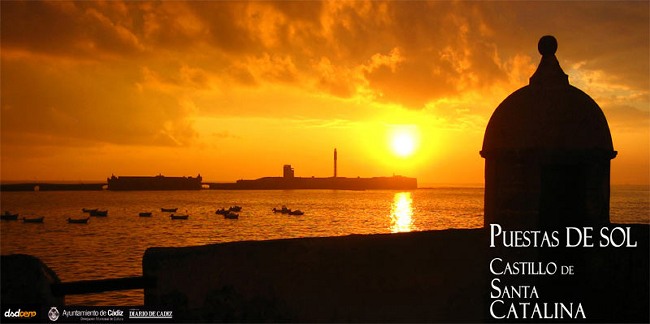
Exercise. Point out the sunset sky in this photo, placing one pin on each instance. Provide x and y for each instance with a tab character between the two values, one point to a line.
234	90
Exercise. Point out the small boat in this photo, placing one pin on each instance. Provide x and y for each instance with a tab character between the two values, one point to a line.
8	216
88	210
168	210
179	216
296	212
222	211
33	220
99	213
145	214
283	210
231	215
78	220
235	208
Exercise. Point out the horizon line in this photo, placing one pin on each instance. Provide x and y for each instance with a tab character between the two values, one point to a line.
426	185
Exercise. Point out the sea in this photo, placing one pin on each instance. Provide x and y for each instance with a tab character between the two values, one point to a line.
113	246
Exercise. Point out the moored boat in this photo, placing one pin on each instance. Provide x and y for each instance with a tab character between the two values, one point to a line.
88	210
78	220
8	216
231	215
179	216
99	213
235	208
168	210
33	220
283	210
145	214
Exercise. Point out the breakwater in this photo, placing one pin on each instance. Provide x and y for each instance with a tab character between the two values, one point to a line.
39	186
268	183
339	183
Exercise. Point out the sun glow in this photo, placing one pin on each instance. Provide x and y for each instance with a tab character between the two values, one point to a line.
404	141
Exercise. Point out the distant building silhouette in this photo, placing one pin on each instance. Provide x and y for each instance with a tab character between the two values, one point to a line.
547	151
287	171
289	181
158	182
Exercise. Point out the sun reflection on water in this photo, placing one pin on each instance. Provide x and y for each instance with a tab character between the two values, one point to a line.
401	215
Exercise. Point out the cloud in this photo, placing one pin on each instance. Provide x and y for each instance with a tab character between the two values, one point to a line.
90	102
137	72
601	34
625	118
81	30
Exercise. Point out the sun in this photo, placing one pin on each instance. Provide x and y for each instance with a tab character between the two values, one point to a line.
403	145
403	142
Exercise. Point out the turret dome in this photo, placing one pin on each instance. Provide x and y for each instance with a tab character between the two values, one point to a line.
549	114
548	151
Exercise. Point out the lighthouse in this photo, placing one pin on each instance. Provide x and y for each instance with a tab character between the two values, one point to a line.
334	163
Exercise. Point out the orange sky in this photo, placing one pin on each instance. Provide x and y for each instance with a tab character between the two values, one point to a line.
235	90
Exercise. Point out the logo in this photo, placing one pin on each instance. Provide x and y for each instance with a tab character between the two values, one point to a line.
53	314
150	314
20	314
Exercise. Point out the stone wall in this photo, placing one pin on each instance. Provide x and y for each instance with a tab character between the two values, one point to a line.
411	277
433	276
26	280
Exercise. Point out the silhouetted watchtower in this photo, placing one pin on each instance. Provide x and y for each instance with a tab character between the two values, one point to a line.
547	151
